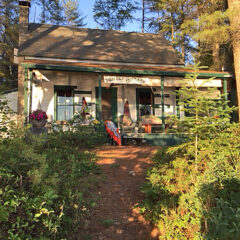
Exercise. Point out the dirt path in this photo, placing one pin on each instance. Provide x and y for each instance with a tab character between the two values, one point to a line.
115	217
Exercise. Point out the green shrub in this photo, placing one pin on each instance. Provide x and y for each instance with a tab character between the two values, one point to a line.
193	190
45	183
189	200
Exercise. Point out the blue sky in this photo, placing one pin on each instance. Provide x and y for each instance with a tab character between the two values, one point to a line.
86	7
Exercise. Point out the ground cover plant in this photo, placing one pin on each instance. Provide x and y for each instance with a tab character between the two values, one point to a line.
193	190
46	183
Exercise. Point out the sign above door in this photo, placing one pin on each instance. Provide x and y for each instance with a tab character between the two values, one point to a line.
126	80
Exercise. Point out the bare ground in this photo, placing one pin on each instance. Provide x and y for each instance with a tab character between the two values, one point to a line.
116	217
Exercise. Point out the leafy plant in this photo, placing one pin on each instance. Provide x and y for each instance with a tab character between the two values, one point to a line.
192	192
46	182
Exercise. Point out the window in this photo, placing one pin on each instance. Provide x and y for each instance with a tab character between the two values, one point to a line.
68	101
64	102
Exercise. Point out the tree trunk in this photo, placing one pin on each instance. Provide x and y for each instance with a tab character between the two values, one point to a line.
234	20
143	15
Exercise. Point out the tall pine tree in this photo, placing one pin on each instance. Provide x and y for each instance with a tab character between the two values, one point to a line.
169	16
114	14
61	12
55	9
208	27
43	18
73	17
234	7
8	41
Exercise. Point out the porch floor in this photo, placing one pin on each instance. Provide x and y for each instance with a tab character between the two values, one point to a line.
154	139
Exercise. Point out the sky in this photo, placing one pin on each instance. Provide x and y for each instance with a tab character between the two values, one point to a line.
86	7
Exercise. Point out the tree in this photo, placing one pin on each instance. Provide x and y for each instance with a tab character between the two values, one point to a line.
55	9
191	189
8	41
208	27
61	12
170	15
204	116
114	14
146	8
51	12
234	7
71	13
44	12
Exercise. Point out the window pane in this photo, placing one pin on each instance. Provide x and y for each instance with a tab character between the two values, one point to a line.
65	96
68	112
64	112
61	100
61	113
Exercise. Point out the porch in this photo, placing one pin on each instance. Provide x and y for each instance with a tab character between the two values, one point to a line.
60	89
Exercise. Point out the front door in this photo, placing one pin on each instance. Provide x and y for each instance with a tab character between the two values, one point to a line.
109	104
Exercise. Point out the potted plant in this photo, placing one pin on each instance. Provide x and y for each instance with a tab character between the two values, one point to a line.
38	118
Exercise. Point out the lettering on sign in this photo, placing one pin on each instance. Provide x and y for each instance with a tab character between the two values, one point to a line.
125	80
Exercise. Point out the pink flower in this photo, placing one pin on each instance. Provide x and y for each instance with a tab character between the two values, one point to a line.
38	115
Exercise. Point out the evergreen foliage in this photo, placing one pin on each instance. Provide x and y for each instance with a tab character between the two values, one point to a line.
61	12
171	15
195	27
192	192
72	14
8	41
55	10
114	14
204	112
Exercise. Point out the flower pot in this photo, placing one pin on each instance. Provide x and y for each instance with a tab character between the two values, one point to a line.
38	123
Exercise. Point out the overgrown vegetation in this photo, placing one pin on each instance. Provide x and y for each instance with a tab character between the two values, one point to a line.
46	182
193	190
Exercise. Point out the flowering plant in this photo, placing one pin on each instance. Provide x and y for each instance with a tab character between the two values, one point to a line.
38	115
95	122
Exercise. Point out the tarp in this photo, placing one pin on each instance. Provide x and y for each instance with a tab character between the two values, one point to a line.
113	131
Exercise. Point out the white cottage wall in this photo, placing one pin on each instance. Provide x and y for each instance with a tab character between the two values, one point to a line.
44	82
43	88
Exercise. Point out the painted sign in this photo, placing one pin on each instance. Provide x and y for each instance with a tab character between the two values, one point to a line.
125	80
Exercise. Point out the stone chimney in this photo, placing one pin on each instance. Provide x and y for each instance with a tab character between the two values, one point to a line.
23	33
24	16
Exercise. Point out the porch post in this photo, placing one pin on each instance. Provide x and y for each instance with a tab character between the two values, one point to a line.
162	99
30	92
100	95
225	96
177	104
25	93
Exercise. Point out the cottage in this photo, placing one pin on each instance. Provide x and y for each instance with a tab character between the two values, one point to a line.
59	65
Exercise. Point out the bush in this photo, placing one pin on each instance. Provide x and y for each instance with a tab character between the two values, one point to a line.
193	190
196	200
45	183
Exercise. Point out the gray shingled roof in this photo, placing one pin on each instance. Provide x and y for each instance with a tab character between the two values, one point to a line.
52	41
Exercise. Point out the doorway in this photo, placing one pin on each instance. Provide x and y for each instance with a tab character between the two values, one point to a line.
109	104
